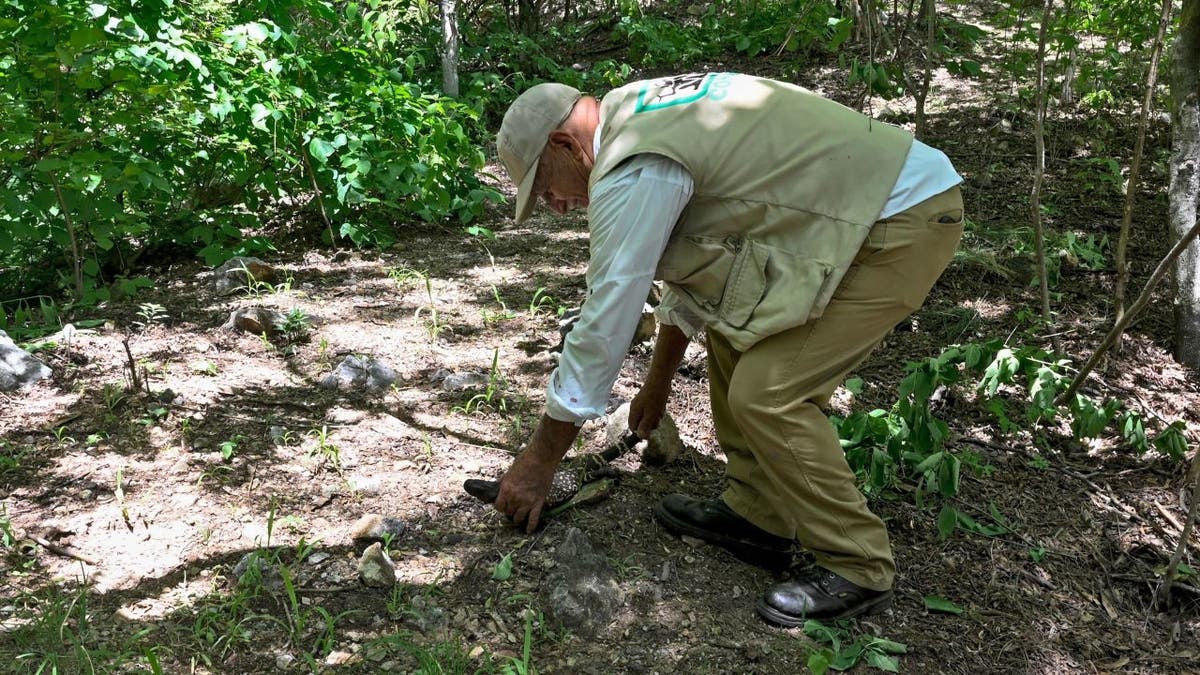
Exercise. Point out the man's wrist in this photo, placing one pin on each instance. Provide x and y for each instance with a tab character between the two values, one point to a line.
552	439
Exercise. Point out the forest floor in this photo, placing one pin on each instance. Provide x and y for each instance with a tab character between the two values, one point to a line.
164	494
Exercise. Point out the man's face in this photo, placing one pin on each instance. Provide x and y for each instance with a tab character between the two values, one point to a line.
562	177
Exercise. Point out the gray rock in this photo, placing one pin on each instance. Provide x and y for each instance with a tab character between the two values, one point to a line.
583	593
257	569
256	320
240	272
461	381
374	527
17	367
664	444
359	372
375	568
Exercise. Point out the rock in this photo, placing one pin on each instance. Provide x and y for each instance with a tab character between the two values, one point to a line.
240	272
255	568
256	320
461	381
583	593
376	528
375	568
284	661
18	368
357	372
424	614
646	327
664	444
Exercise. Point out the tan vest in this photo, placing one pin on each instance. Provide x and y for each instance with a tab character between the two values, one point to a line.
787	185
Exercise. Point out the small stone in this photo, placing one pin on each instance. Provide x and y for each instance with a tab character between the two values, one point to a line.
255	320
374	527
240	272
318	557
367	485
461	381
375	568
338	658
691	541
284	661
360	372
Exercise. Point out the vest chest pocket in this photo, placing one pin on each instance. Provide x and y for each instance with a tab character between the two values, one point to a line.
725	277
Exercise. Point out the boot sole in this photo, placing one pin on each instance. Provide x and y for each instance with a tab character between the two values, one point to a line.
774	559
872	606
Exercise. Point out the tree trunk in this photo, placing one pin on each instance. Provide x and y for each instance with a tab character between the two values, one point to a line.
1122	257
528	18
450	47
930	11
1184	191
1035	199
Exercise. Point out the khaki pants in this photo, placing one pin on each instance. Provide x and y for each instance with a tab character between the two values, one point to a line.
787	472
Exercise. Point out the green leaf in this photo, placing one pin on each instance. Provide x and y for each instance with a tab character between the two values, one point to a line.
929	462
320	149
258	115
883	662
948	475
936	603
947	521
818	661
854	385
888	646
503	569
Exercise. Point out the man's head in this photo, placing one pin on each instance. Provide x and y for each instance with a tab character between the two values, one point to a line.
531	127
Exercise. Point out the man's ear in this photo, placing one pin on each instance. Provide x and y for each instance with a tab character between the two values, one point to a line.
565	141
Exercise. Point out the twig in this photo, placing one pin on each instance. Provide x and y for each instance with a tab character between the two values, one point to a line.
59	550
132	365
1168	515
1164	591
1159	272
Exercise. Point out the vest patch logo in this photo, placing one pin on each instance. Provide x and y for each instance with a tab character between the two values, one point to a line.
681	90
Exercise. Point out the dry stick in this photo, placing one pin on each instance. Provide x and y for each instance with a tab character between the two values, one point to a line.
1122	260
922	93
312	176
135	385
1035	198
1164	591
75	261
1134	309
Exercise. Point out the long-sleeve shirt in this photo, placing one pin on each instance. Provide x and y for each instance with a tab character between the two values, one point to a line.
631	214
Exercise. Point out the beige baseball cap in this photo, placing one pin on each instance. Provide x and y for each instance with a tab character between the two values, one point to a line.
523	134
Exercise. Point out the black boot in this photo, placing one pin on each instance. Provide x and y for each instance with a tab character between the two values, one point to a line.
718	524
820	594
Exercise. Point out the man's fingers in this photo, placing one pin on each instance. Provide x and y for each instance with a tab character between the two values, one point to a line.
535	515
519	516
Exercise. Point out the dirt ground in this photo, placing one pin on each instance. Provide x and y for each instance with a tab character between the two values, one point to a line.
164	493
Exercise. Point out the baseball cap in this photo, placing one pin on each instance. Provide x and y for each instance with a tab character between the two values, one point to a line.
523	134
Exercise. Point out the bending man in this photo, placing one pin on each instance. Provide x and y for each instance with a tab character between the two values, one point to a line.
790	230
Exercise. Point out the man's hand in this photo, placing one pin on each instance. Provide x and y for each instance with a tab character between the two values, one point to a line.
523	490
524	487
646	409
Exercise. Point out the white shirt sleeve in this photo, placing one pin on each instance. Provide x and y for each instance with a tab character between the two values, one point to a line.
631	214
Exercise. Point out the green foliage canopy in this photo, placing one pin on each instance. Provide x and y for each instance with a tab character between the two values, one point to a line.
127	125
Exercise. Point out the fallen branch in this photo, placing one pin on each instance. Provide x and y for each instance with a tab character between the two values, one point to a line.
1163	596
1119	327
60	550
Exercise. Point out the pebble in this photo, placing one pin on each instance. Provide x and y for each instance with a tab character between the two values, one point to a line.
284	661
